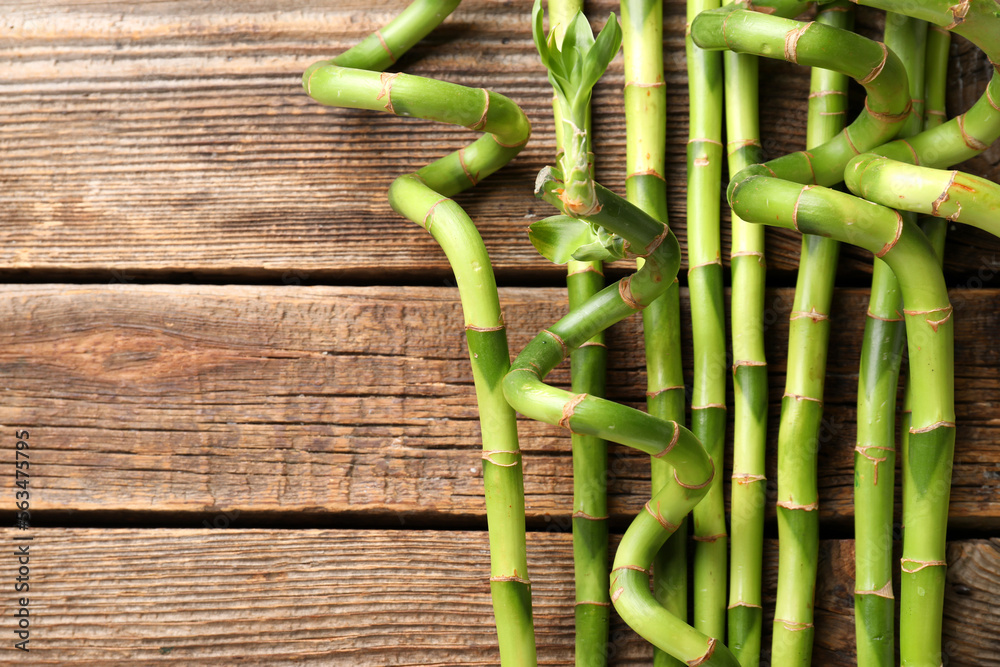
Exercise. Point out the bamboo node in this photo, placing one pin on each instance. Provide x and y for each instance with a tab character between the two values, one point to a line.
715	262
625	292
580	514
794	626
593	343
878	68
567	411
657	392
617	594
847	134
863	450
800	397
386	78
519	144
970	141
473	178
811	314
824	93
795	209
592	602
705	658
632	567
708	538
660	519
958	13
695	487
645	84
748	362
792	38
385	47
809	161
480	124
746	478
647	172
490	453
895	239
588	268
921	564
706	406
913	151
989	96
945	194
932	427
673	441
514	578
750	253
791	505
429	216
887	117
741	603
473	327
884	319
704	141
934	324
558	339
655	243
884	592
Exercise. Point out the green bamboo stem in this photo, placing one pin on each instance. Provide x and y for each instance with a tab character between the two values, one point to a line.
423	197
708	332
750	382
588	363
646	187
875	453
929	331
526	391
380	50
935	93
951	195
802	403
887	104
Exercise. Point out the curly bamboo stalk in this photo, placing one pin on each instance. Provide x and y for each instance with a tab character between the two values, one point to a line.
802	404
423	197
588	365
708	330
526	391
875	452
646	187
870	63
750	382
929	331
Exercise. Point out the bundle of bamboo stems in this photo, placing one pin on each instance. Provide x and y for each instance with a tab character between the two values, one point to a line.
891	157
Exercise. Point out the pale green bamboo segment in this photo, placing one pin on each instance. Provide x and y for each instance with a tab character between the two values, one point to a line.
645	122
929	332
875	451
813	44
952	195
708	400
423	198
587	373
750	382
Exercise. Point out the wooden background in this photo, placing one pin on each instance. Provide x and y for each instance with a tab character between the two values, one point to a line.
253	433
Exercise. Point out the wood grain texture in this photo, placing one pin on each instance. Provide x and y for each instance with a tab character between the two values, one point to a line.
349	401
151	138
375	598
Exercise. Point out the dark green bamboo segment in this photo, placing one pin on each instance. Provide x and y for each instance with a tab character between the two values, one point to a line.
750	382
423	197
870	63
708	400
380	50
929	332
953	195
802	406
645	122
875	451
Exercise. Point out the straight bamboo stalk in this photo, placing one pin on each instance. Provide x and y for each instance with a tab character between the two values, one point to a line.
875	452
929	331
708	331
802	404
750	382
424	198
645	158
587	376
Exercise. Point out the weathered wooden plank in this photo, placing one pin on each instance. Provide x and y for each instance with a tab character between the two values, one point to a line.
334	400
155	137
359	598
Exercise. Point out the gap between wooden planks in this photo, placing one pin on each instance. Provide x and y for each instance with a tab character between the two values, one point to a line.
351	402
374	598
